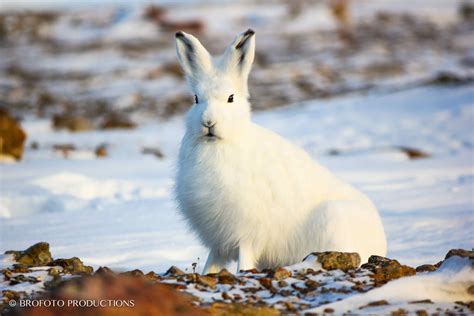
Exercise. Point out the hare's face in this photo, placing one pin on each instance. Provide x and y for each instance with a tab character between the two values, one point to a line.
221	110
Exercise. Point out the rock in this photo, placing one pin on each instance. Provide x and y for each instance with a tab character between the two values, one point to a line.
154	13
12	136
152	276
282	283
225	277
280	274
399	312
122	295
385	269
20	268
470	290
53	272
427	301
207	280
101	151
413	153
328	310
134	273
466	11
449	78
115	121
333	260
426	268
64	149
226	296
153	151
34	256
266	283
375	303
174	271
311	284
194	26
73	123
73	265
105	271
460	253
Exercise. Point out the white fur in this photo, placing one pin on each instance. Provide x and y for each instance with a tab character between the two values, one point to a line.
249	194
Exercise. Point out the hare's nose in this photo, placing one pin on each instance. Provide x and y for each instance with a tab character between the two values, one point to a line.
208	123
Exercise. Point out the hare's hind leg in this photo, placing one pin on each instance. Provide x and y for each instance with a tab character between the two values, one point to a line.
347	226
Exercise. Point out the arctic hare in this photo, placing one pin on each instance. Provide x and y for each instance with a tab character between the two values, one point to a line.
249	194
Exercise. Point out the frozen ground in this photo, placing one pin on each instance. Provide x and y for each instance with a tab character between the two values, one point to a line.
118	211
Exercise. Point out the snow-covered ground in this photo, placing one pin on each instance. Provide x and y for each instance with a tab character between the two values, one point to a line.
119	211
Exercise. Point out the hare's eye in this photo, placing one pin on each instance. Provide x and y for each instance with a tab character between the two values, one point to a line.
230	99
196	100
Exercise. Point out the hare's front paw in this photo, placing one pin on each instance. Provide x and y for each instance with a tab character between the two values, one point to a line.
246	257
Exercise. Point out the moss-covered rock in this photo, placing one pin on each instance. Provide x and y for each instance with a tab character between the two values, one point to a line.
34	256
72	265
386	269
333	260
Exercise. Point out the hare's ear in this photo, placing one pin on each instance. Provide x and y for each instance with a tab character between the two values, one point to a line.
238	57
193	57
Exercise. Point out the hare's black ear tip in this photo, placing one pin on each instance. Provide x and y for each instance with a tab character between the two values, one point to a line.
179	34
249	32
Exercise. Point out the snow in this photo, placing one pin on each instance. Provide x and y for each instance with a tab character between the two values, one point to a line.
446	285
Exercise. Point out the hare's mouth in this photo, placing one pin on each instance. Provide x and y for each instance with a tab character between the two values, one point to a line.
210	136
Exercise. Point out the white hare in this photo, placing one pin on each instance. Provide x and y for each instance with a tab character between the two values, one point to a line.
249	194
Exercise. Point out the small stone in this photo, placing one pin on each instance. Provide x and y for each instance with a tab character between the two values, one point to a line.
53	271
20	268
34	256
375	303
101	151
427	301
226	296
174	271
266	283
399	312
153	151
282	283
311	284
281	274
421	312
328	310
116	121
64	149
72	123
12	295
